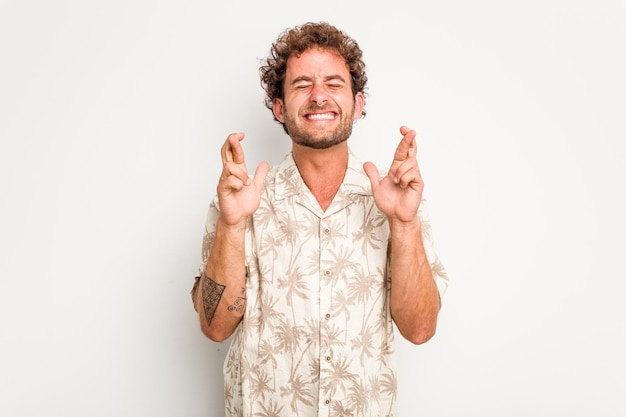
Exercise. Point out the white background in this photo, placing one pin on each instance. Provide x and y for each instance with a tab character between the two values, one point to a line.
111	118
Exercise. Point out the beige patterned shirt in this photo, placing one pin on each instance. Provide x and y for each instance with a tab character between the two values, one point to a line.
317	338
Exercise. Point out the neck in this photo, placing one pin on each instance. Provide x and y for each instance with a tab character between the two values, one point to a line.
322	170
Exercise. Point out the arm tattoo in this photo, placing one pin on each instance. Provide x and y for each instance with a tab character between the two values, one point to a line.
211	296
240	303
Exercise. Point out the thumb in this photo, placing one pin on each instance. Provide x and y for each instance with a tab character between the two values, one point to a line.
372	173
261	172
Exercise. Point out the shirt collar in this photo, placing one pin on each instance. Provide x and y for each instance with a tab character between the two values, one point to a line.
288	181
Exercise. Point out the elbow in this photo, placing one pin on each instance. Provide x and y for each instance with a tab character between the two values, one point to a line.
217	338
214	334
421	335
417	331
417	326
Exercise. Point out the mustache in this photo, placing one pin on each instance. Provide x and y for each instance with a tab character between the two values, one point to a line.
317	109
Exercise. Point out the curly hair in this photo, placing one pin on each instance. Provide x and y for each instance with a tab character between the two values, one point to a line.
298	40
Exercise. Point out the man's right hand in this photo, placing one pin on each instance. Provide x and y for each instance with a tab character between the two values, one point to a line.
239	195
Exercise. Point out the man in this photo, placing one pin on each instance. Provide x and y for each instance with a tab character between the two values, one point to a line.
310	263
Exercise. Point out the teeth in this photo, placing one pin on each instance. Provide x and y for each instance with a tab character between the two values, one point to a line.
321	116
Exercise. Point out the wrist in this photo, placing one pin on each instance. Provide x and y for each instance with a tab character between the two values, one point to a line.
400	226
230	226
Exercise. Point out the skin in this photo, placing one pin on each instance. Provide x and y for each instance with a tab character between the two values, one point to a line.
319	109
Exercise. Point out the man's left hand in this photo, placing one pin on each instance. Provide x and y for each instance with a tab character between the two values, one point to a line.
399	193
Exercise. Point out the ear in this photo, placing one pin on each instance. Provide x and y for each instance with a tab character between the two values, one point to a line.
278	109
359	103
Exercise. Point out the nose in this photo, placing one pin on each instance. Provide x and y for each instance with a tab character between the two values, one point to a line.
318	95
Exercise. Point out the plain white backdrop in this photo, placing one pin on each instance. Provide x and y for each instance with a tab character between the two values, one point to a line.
111	119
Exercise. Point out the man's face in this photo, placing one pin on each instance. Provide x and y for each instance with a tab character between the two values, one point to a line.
318	109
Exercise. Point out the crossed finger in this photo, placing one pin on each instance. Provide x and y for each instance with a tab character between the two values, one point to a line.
234	173
406	149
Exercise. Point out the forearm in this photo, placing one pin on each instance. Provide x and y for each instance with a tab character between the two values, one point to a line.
415	300
221	296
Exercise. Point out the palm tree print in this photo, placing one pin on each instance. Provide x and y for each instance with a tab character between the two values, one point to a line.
317	337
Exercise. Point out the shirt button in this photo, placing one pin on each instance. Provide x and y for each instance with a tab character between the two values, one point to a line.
328	358
327	402
326	231
327	316
327	272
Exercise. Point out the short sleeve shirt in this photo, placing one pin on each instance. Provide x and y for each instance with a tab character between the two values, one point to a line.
317	337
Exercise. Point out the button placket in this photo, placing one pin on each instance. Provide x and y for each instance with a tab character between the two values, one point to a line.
325	308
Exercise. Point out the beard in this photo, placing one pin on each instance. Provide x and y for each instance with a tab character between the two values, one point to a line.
320	139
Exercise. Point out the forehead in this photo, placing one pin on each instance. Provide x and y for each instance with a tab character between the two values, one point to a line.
316	62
